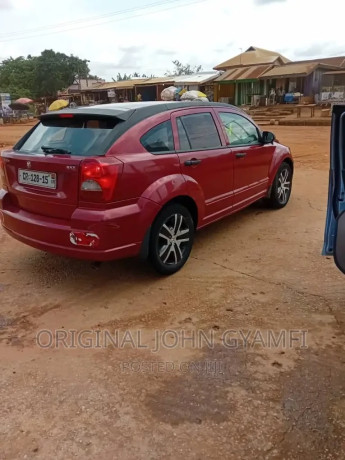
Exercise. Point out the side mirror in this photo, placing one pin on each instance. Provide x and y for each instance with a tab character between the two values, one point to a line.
268	137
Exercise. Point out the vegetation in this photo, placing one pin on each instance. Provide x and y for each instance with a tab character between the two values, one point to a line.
45	75
38	76
183	69
130	76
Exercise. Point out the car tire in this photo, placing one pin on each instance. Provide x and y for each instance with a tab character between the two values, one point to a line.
171	239
281	187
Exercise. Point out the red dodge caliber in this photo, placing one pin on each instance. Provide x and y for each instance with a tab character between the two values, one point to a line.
121	180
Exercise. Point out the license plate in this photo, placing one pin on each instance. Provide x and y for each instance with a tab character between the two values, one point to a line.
38	178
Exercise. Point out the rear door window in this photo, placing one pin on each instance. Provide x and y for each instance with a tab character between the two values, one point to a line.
79	135
198	131
159	140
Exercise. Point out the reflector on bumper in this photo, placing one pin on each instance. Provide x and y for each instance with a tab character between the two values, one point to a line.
84	239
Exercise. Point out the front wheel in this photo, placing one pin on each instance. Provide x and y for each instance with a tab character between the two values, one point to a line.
171	239
281	187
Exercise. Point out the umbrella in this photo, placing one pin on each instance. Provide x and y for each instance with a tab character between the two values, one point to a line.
18	106
24	100
58	104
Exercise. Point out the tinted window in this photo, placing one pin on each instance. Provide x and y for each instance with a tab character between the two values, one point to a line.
184	142
239	130
159	139
201	131
78	135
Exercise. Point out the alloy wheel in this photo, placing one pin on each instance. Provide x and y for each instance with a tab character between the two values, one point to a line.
284	184
174	237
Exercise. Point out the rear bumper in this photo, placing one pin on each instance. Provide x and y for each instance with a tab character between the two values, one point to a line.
121	230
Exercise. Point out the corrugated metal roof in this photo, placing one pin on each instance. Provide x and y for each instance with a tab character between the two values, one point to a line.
297	69
196	78
291	69
253	56
337	61
335	72
244	73
157	81
124	84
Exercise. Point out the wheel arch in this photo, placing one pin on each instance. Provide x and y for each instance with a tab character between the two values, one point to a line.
289	161
185	201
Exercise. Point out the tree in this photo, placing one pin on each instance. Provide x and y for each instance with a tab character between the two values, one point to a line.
38	76
17	76
56	71
128	77
183	69
123	77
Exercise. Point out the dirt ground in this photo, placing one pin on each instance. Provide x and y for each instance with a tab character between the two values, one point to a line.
230	391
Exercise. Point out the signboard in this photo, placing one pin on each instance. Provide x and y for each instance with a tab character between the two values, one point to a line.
5	101
111	93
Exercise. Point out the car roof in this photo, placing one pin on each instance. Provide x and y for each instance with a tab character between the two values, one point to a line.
126	110
131	113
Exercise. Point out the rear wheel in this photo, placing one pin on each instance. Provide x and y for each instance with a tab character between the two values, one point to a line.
281	187
171	239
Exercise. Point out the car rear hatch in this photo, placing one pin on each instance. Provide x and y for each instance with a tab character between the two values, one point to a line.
334	238
42	171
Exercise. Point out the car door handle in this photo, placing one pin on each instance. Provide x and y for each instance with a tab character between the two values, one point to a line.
192	162
240	155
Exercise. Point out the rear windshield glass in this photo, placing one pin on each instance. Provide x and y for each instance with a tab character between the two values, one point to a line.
84	136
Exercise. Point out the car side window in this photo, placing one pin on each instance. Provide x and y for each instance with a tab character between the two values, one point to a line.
184	142
159	140
198	131
239	130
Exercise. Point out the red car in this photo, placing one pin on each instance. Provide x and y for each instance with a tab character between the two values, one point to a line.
120	180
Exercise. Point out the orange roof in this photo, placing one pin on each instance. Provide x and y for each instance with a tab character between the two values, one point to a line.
297	69
123	84
243	73
253	56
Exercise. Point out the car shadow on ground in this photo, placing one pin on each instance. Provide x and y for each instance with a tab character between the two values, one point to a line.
50	269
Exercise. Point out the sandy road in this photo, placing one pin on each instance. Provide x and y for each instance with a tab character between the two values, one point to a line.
156	394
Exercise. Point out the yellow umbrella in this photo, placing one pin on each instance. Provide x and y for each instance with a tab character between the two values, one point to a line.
58	104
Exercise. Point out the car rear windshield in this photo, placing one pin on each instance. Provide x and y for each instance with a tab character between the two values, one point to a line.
77	135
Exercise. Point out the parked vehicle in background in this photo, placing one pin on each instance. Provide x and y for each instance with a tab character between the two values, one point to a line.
334	240
121	180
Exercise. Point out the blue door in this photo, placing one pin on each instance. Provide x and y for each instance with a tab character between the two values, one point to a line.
334	240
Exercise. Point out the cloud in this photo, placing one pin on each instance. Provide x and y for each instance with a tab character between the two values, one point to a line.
131	49
320	50
5	5
162	52
266	2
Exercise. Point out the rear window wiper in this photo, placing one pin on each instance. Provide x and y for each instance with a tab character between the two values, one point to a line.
47	149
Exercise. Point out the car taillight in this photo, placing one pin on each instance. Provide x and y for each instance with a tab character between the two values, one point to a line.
2	173
98	179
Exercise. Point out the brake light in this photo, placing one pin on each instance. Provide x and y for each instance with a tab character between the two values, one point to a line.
66	115
98	179
2	173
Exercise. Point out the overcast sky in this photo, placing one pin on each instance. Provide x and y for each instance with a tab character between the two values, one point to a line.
205	32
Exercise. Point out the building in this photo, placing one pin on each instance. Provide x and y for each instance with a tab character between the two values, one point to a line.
150	89
333	87
202	81
302	77
76	92
115	91
251	77
239	84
